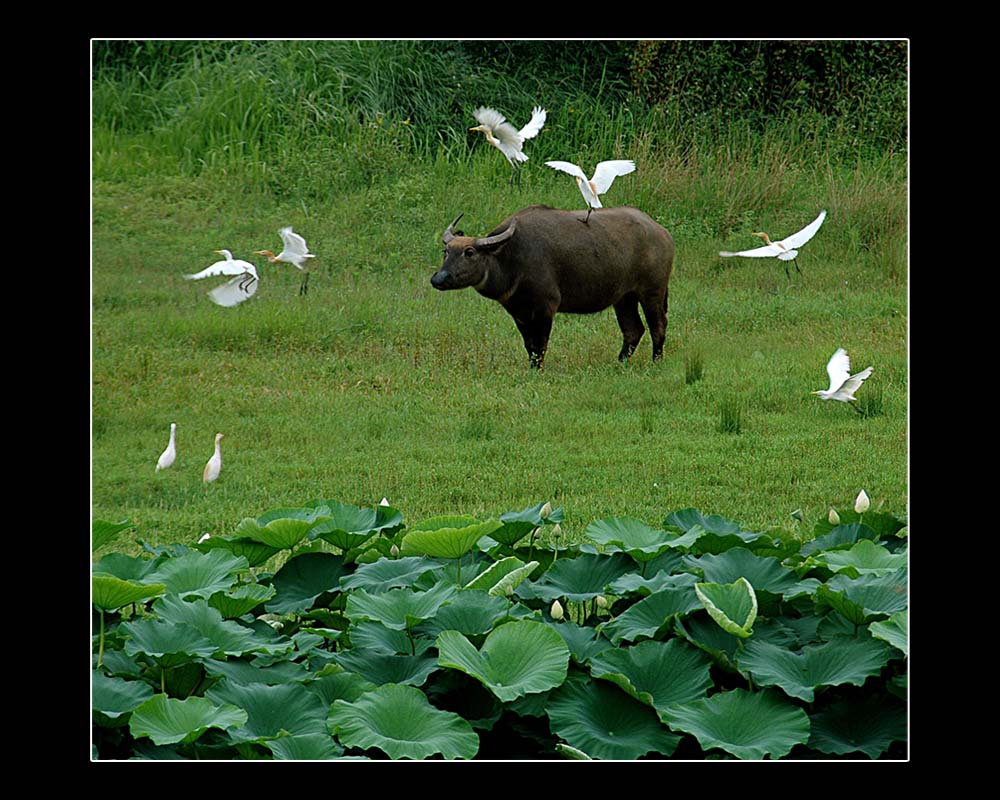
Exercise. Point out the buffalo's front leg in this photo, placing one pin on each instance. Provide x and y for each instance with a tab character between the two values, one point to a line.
536	338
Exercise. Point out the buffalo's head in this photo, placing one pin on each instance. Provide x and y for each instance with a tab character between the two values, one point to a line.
467	260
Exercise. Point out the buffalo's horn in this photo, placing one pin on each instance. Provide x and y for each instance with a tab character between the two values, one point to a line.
503	236
448	235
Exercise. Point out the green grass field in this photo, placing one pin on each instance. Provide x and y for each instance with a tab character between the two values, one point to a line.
375	384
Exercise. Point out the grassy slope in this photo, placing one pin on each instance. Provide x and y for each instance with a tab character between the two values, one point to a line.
376	385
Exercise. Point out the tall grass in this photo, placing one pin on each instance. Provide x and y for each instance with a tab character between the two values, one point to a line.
375	384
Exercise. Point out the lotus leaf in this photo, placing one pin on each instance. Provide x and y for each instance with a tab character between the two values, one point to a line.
659	674
732	605
167	720
304	578
894	630
388	573
304	747
650	614
200	574
272	709
281	532
103	532
256	553
637	539
868	725
114	698
401	722
110	593
470	612
381	668
446	537
241	600
517	658
863	558
578	579
401	609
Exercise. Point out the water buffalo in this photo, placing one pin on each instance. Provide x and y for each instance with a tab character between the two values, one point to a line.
542	260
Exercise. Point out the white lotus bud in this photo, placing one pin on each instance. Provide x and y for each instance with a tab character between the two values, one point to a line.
394	551
204	537
833	516
556	529
384	501
546	510
602	601
862	503
556	611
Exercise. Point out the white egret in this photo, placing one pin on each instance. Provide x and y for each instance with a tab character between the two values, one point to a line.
785	250
294	252
168	456
214	465
505	137
843	384
235	291
604	176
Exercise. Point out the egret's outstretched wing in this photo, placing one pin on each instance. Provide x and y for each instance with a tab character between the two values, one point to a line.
294	244
838	368
235	291
804	235
607	171
853	383
232	266
568	168
502	130
770	250
530	131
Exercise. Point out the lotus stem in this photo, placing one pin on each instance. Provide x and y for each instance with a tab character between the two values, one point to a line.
100	646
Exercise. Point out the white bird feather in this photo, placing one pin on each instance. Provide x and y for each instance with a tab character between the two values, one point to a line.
843	384
242	287
604	175
294	251
167	457
786	249
504	136
214	465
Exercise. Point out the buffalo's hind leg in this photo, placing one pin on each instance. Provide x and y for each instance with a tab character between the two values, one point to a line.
656	317
627	312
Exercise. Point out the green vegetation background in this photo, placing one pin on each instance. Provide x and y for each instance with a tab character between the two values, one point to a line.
376	385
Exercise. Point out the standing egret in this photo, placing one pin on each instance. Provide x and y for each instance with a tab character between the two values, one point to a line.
214	465
168	456
294	252
785	250
604	176
505	137
843	384
240	288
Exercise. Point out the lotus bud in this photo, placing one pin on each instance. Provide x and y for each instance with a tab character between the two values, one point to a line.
833	516
602	601
862	503
384	501
394	551
556	611
546	510
556	529
203	538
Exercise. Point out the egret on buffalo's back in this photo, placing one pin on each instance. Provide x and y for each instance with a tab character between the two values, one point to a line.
785	250
843	384
294	252
235	291
505	137
168	456
604	176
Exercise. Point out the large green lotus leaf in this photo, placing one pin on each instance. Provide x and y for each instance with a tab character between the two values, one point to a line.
517	658
388	573
716	534
578	579
605	723
241	600
346	526
332	686
113	698
703	632
401	609
304	747
732	605
167	720
169	643
200	574
110	593
884	525
272	709
659	674
839	537
282	533
749	725
103	532
764	573
228	638
246	672
515	525
894	630
446	537
503	574
256	553
374	637
653	580
864	558
800	674
640	541
128	568
304	578
868	724
380	668
864	598
651	613
470	612
400	721
584	642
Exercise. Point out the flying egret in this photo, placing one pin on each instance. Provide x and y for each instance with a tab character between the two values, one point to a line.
843	384
214	465
505	137
168	456
235	291
294	252
786	249
604	176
